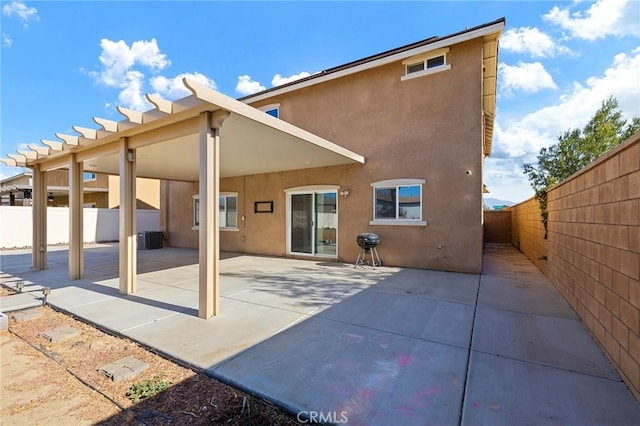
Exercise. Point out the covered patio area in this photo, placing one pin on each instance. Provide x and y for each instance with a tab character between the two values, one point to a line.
200	138
259	296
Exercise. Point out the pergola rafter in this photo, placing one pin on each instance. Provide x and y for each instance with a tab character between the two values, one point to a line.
176	140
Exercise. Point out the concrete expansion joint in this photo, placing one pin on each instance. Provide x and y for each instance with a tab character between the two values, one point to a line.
547	365
467	372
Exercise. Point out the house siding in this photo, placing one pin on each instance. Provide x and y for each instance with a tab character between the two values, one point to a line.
427	128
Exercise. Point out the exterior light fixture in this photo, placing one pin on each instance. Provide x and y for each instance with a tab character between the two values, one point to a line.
344	193
50	197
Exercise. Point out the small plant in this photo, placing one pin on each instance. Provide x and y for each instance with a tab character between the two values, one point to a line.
147	388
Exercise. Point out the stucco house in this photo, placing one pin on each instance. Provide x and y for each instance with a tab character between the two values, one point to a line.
16	190
99	190
421	115
392	144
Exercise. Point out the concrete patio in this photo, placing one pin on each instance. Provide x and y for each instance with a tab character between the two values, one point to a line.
383	346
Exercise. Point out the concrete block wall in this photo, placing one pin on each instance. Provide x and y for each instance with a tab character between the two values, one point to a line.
527	233
593	250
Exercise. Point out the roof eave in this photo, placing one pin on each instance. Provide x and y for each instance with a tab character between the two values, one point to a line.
374	61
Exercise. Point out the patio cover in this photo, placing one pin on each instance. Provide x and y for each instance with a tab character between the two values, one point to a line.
202	137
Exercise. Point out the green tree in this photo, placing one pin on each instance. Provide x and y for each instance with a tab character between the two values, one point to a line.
576	148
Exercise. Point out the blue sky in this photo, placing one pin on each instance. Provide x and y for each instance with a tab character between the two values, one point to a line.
64	62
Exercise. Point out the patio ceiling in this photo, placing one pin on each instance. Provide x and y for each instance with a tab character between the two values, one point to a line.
166	141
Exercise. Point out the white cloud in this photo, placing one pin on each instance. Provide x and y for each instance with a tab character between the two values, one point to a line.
520	139
118	59
118	69
131	96
173	88
527	77
279	80
604	18
122	67
247	86
21	11
6	40
531	41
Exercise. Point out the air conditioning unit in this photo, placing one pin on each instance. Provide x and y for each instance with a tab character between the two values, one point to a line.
150	240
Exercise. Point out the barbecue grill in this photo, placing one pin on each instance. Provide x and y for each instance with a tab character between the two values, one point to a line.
368	242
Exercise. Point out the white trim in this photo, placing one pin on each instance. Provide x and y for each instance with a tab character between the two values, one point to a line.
425	56
428	71
396	182
195	209
481	32
393	222
424	59
226	195
312	190
222	228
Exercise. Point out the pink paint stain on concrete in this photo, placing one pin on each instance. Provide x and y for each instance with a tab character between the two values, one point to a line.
404	360
476	405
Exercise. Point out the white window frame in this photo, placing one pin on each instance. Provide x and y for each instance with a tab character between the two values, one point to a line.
396	184
422	59
270	107
310	189
196	211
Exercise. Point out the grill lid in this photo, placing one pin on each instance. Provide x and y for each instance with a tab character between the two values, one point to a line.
368	240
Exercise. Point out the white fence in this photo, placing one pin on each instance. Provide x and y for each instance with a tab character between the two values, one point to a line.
16	225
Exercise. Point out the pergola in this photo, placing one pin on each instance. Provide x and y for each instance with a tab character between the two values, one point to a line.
202	137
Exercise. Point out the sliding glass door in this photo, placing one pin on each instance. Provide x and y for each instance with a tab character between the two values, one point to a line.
313	223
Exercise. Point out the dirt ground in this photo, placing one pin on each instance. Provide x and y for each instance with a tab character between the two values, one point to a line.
58	383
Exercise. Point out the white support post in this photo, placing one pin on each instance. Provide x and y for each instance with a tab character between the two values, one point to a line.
39	211
209	232
76	201
128	234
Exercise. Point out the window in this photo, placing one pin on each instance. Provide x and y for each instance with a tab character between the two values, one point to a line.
196	211
88	177
228	211
228	215
272	109
425	64
397	202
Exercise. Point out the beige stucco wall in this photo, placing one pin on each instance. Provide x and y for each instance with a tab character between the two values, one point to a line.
61	178
593	250
99	198
147	193
18	180
424	128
